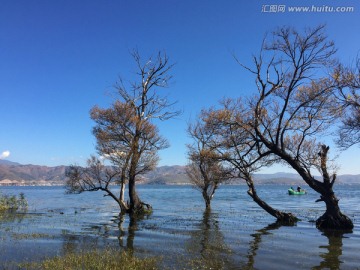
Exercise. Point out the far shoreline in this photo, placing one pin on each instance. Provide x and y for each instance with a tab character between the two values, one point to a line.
169	184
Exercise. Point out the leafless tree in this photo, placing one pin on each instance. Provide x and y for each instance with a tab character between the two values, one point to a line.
205	170
235	145
347	81
96	176
291	109
125	132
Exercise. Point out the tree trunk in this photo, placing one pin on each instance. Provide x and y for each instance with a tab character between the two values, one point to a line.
333	219
122	191
136	205
123	205
282	217
208	193
135	202
207	199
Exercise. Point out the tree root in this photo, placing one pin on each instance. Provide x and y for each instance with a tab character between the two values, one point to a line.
337	222
286	218
141	209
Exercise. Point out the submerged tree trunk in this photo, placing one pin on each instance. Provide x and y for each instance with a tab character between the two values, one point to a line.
207	199
332	219
136	205
208	193
282	217
135	202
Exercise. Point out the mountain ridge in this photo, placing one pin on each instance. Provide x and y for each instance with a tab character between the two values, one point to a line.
13	173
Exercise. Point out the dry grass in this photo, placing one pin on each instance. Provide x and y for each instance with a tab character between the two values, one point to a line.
96	260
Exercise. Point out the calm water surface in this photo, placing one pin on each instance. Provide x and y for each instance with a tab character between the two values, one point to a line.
236	234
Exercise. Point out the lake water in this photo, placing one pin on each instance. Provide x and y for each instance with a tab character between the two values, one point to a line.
236	234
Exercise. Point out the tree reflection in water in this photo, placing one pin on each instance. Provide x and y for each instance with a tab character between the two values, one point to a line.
97	236
208	245
254	245
122	231
131	230
330	258
207	248
333	251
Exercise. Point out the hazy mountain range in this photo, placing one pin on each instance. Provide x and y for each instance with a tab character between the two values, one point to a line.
12	173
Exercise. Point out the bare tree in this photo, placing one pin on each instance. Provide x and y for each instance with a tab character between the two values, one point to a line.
205	170
291	109
347	81
125	132
96	176
235	145
115	131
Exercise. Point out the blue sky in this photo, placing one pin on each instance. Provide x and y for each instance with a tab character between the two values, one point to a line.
60	58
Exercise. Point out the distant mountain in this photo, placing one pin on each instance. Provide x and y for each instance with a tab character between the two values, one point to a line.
260	176
167	175
17	174
349	179
295	179
278	178
12	173
8	162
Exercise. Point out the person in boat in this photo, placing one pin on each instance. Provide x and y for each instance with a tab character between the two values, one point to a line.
291	188
298	189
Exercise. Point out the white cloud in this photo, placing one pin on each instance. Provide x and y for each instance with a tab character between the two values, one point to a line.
116	154
5	154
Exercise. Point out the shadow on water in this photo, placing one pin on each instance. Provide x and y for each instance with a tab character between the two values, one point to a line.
206	248
257	239
132	228
207	245
122	227
332	251
330	257
122	231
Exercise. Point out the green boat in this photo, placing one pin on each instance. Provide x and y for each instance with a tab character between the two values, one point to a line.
294	192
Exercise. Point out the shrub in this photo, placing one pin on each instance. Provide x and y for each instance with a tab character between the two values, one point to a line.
13	203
